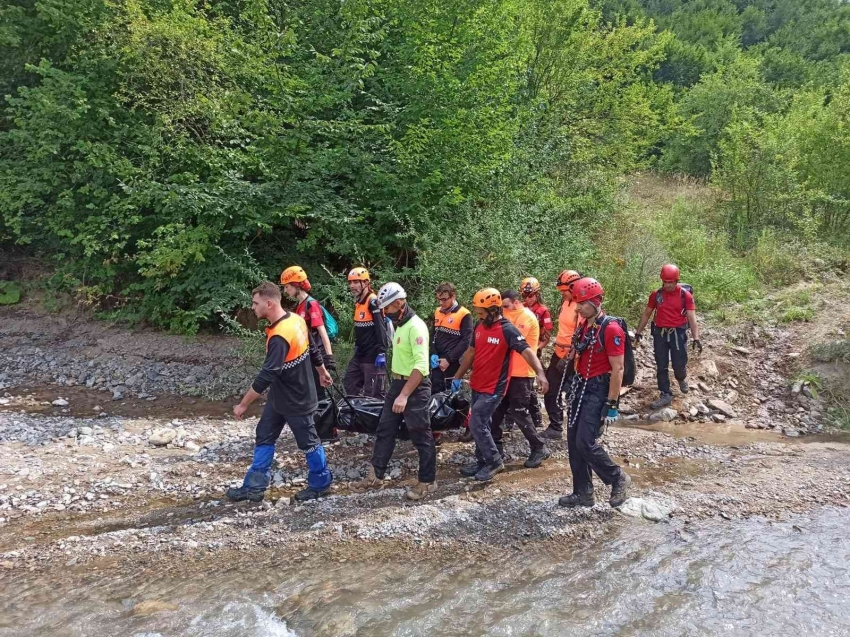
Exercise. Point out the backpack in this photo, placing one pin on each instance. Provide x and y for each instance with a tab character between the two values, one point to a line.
629	368
331	326
683	286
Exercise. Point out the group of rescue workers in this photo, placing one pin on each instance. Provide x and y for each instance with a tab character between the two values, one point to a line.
503	350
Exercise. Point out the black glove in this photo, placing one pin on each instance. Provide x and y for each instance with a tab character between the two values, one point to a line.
330	363
562	365
697	344
638	338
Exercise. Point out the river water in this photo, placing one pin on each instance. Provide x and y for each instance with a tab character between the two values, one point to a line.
716	578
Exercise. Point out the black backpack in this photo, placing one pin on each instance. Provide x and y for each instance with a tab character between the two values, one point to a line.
629	369
659	298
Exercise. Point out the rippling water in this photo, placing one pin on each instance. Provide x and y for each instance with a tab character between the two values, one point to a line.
729	578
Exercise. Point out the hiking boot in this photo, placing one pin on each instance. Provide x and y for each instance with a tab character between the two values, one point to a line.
577	500
238	494
470	470
420	490
309	493
465	436
620	490
663	401
536	458
683	386
552	434
501	449
438	441
371	481
489	471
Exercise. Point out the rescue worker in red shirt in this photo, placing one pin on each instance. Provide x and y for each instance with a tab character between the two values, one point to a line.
532	298
559	373
296	285
452	335
366	373
290	353
599	353
494	339
675	311
520	395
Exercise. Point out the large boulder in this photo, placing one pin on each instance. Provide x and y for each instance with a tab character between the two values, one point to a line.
162	437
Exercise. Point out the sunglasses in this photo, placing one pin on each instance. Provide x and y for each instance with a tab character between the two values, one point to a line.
443	299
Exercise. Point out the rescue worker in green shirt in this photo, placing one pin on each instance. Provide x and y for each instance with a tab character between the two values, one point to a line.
407	398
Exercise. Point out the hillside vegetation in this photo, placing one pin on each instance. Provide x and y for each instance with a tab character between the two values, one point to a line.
165	155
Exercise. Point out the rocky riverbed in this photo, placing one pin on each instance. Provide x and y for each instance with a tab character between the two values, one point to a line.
91	476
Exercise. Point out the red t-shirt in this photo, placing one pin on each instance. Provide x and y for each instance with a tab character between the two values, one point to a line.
316	317
668	313
544	317
597	355
493	345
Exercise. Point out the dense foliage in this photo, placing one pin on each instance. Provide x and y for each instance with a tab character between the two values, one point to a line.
167	154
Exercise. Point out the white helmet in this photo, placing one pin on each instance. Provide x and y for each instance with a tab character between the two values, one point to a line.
390	292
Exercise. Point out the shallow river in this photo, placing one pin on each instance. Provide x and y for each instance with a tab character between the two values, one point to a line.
718	578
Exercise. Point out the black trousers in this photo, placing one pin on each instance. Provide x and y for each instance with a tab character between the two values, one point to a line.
442	380
418	425
552	399
670	345
586	454
516	403
321	392
363	378
271	424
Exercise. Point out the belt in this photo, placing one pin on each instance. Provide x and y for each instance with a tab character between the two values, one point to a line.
398	377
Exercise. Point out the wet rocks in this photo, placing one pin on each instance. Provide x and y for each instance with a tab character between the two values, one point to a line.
723	407
647	508
664	415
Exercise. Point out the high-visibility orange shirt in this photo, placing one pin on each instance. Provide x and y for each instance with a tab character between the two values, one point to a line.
567	322
526	323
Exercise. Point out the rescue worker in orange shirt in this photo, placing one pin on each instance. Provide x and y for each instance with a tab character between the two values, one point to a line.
559	373
532	298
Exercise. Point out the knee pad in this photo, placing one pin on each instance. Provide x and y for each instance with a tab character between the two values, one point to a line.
263	456
318	476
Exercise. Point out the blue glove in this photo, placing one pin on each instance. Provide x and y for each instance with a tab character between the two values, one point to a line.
435	361
381	361
612	416
457	383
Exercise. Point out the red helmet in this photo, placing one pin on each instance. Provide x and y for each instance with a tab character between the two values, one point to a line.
669	273
587	289
566	278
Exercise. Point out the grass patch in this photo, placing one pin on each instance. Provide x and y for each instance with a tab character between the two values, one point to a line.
833	352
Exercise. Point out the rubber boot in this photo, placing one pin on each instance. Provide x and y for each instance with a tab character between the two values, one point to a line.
577	500
663	401
536	458
489	471
620	490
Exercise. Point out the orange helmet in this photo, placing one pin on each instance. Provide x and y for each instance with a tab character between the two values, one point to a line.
486	298
529	286
292	275
566	278
359	274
